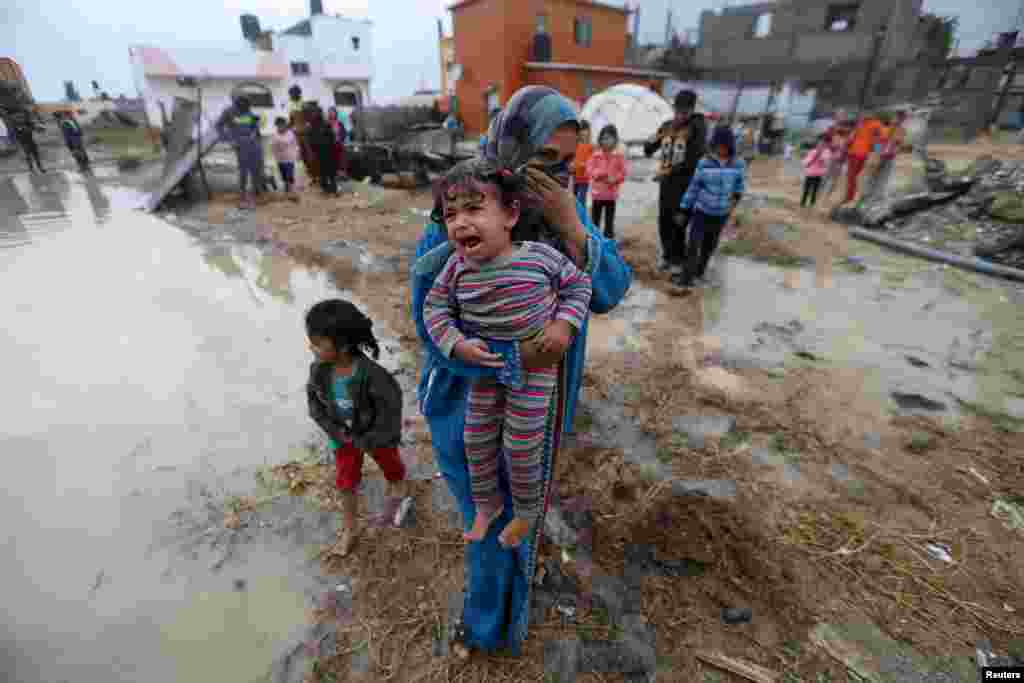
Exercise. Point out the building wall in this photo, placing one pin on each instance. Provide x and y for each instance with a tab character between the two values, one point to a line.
332	60
512	23
332	42
217	96
800	25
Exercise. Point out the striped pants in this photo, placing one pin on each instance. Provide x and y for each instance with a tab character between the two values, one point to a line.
514	420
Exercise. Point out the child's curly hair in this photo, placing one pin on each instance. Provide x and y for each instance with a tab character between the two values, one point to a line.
511	185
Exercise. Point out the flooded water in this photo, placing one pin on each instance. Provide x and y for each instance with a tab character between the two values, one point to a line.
143	367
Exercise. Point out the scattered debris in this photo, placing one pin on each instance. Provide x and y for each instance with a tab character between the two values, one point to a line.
752	672
737	615
939	552
1011	514
909	401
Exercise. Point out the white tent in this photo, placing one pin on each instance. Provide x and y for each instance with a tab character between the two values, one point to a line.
635	110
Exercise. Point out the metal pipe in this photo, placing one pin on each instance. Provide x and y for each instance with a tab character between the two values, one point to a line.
975	264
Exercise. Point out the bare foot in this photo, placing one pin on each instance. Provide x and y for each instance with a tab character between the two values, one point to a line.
481	523
514	533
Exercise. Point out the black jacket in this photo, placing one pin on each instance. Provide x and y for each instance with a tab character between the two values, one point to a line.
674	184
377	416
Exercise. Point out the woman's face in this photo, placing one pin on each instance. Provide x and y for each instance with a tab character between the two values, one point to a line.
608	142
478	223
557	153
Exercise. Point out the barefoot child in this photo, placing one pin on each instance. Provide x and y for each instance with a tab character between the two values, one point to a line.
357	403
491	295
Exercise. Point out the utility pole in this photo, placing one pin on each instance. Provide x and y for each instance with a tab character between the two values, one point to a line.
1007	71
199	140
880	35
668	27
735	103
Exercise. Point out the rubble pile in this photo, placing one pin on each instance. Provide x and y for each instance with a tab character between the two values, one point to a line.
976	214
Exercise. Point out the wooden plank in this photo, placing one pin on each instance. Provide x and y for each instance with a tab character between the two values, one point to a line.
748	670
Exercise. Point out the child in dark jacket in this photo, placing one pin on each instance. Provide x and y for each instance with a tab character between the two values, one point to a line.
357	403
716	189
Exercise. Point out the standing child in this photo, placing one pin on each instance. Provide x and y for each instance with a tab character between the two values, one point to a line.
584	150
357	403
322	141
285	146
816	164
715	191
491	295
607	171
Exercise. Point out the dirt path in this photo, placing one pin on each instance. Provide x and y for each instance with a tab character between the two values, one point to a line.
841	510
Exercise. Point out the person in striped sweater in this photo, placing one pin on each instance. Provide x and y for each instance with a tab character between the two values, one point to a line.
492	294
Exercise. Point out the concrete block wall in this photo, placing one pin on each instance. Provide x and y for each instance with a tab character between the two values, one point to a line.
802	24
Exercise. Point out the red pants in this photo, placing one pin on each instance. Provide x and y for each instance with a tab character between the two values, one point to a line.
349	461
854	166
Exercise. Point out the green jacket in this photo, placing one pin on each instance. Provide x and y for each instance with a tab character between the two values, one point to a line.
377	409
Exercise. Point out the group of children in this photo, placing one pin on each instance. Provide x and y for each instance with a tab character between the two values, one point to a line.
319	141
850	146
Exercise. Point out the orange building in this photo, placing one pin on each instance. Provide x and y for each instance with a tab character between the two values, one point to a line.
575	46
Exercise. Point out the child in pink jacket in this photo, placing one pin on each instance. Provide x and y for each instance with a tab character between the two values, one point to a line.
607	171
816	164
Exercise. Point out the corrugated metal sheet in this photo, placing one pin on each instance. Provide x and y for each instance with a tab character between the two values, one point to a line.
210	63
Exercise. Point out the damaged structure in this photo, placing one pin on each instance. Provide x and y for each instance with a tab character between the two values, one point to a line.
330	57
853	53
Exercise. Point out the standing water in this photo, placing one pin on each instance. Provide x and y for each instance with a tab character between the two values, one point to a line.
144	372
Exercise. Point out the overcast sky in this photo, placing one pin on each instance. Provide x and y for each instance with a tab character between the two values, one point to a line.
86	40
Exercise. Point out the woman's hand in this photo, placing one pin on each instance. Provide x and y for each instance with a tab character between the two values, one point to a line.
475	352
557	202
535	357
556	338
558	205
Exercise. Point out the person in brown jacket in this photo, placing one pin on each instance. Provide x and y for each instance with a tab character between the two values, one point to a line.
298	118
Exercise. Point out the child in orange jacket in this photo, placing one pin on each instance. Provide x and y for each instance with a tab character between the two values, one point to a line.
584	150
607	171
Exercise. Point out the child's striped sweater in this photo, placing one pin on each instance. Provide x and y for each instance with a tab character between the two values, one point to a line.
510	298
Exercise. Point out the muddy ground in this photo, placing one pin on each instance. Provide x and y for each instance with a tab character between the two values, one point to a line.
849	498
853	417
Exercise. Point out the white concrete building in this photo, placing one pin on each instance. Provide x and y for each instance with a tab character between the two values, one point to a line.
329	57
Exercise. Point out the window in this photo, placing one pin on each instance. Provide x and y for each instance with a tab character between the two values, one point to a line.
355	43
583	30
841	17
258	95
346	98
763	25
542	23
300	68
